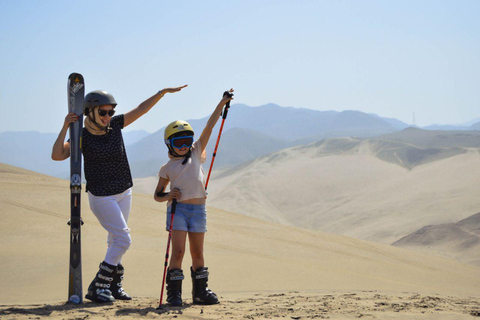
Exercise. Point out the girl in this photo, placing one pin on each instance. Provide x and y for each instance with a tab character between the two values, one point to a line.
187	185
109	181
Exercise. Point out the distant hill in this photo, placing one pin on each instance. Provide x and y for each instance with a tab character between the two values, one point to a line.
469	125
475	126
393	122
291	124
436	138
460	240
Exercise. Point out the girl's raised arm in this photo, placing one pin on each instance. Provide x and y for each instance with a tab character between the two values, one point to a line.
212	121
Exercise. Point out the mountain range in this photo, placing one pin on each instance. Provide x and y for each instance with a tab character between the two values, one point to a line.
249	132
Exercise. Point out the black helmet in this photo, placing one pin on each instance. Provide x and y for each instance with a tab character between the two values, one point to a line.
97	98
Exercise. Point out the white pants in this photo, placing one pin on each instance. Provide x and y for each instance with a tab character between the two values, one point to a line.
112	212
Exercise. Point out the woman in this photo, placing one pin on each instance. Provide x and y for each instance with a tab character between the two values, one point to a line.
109	181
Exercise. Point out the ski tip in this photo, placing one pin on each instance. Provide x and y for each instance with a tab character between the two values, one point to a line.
77	77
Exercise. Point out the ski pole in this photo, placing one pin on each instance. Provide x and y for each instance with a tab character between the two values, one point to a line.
224	116
174	205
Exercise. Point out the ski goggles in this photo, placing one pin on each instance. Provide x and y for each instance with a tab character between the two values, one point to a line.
103	113
180	142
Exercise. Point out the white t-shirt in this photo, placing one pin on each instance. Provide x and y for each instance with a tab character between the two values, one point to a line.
188	178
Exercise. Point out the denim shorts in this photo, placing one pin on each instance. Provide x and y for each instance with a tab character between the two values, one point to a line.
188	217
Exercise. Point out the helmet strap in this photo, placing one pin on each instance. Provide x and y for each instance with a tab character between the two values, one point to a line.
187	156
176	155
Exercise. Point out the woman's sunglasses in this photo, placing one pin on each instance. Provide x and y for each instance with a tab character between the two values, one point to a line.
180	142
103	113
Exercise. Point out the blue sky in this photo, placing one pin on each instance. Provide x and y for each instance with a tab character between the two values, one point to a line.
392	58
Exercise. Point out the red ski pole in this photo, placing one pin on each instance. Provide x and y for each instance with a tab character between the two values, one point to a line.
174	205
224	116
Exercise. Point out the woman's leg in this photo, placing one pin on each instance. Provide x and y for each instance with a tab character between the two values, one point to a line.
124	201
110	216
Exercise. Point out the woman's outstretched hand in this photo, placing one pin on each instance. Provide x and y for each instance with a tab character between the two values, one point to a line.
172	90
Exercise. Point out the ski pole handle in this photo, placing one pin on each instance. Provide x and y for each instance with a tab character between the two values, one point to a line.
227	105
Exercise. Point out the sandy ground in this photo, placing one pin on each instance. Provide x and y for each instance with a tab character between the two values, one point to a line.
259	269
289	305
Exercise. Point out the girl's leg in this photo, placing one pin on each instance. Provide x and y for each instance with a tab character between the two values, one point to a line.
201	294
179	239
175	273
196	240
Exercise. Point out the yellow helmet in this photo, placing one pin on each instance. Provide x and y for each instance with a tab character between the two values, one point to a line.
177	127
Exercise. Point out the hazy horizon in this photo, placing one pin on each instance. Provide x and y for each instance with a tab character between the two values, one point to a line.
465	124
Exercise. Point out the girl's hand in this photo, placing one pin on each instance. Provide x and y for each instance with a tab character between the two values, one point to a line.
175	194
71	118
172	90
227	97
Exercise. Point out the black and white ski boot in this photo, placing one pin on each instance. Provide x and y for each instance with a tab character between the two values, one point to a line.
174	287
200	292
117	290
99	289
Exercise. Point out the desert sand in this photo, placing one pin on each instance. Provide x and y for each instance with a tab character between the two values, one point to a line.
259	269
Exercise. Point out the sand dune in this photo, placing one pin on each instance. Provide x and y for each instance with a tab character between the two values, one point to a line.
460	241
256	266
351	192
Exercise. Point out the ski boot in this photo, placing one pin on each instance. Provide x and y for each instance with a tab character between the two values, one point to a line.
174	287
98	290
200	292
117	290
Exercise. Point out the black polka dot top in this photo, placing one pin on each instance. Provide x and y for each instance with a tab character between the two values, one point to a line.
106	165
